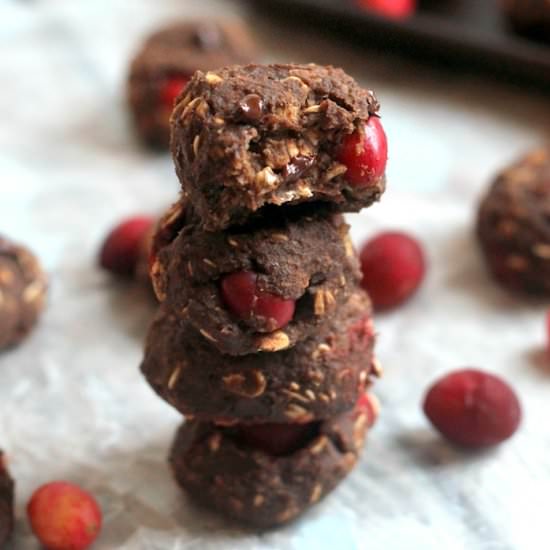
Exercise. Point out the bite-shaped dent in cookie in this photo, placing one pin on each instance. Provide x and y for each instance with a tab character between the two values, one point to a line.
248	136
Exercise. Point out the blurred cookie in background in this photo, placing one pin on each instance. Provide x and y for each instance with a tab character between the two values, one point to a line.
22	292
513	225
6	502
529	17
166	62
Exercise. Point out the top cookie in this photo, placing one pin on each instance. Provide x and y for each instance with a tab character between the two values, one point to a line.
245	137
166	63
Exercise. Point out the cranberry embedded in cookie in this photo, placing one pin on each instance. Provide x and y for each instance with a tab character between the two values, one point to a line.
276	439
241	294
365	153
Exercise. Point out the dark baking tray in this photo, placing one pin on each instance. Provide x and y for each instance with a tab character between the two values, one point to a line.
472	35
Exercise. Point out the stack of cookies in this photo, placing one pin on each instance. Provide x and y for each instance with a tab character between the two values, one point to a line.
264	338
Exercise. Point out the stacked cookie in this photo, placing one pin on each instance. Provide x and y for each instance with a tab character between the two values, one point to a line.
264	338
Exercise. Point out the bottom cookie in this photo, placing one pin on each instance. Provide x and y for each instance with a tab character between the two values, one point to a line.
248	475
6	502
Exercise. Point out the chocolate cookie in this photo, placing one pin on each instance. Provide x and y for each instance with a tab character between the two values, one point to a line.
284	274
246	137
166	63
22	292
529	17
6	502
513	225
227	470
317	378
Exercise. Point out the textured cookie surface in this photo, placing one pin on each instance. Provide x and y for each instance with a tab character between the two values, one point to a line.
22	292
514	225
317	378
6	502
169	58
245	137
256	488
301	254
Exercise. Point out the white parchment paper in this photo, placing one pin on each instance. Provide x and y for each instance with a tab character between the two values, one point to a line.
72	402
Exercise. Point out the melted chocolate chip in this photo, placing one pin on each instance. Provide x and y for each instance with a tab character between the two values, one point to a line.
208	37
251	107
296	168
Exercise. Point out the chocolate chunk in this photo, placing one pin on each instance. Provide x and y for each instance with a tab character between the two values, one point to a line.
251	107
296	168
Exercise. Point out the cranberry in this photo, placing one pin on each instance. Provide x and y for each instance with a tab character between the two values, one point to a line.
473	408
63	516
365	153
122	247
368	405
242	296
276	439
393	267
172	89
396	9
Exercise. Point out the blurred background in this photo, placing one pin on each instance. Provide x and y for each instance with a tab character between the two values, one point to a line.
463	89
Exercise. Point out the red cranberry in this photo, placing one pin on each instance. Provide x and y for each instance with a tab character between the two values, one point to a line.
64	517
122	247
276	439
396	9
242	296
365	153
473	408
393	267
172	89
368	404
